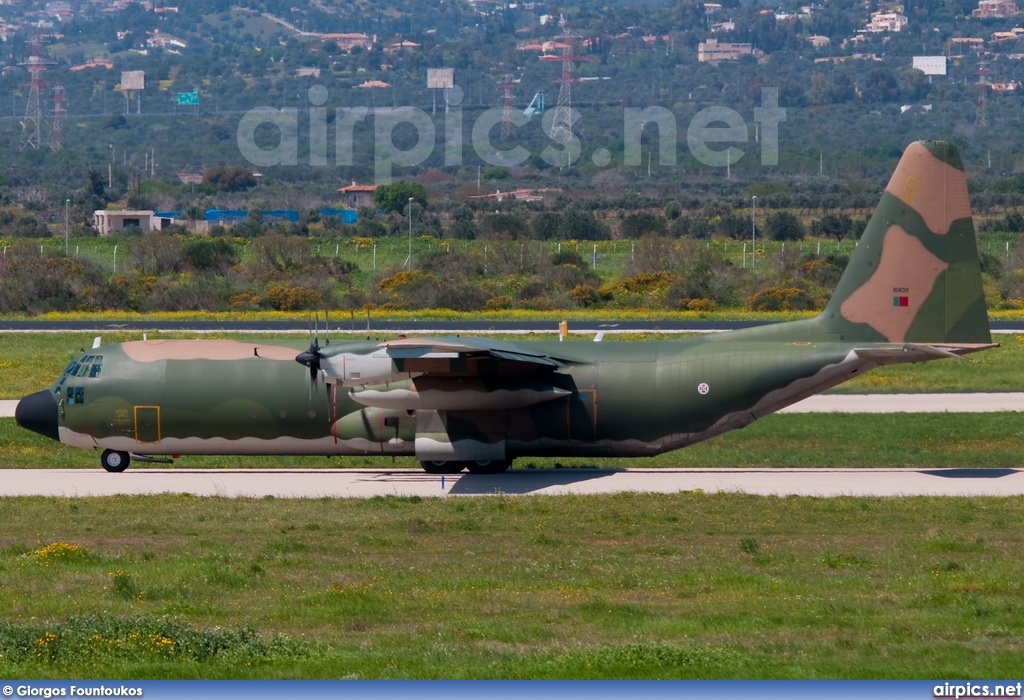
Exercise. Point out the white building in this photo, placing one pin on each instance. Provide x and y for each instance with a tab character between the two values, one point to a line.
107	221
886	22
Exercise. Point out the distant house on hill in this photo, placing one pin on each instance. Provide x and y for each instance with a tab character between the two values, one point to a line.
886	22
974	43
162	40
995	8
401	46
1012	35
713	51
356	196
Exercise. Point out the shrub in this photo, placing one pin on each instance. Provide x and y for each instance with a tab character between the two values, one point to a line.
781	299
284	298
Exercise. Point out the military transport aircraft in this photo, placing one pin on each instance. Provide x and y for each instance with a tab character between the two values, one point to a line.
912	292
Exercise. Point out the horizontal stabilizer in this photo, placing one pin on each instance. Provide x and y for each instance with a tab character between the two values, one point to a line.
919	352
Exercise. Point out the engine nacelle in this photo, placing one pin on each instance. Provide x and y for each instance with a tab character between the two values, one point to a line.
352	370
377	431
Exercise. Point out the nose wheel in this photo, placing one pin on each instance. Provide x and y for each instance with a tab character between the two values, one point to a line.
115	460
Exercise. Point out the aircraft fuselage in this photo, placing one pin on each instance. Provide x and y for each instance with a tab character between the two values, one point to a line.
609	399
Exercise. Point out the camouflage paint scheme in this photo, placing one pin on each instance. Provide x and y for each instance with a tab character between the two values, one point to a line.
912	292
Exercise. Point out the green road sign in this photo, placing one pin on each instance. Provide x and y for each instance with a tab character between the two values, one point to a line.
188	98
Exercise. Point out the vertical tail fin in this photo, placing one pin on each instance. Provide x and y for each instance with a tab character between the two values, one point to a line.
915	276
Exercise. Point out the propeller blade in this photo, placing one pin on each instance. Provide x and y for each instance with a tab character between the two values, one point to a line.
311	358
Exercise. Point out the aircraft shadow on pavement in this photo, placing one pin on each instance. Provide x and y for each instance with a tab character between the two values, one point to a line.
970	473
518	482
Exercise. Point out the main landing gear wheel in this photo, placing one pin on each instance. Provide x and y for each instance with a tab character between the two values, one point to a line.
440	466
115	460
488	466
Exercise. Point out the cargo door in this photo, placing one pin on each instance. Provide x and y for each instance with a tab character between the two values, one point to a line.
147	424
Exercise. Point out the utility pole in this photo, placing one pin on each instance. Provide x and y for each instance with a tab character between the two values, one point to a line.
408	260
753	230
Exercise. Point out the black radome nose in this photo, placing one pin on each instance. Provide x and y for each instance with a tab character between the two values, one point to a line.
38	412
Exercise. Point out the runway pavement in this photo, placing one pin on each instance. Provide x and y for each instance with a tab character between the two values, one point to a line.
365	483
910	403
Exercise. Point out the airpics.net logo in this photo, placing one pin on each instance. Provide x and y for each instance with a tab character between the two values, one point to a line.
714	135
971	691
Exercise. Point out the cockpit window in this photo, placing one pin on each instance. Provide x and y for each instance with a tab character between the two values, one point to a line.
89	366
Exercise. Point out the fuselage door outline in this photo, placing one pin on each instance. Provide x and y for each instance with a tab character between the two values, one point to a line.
147	424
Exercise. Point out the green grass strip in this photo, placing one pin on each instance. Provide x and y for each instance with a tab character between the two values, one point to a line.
625	586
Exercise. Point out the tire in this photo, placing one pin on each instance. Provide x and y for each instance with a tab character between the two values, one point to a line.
488	466
115	460
440	466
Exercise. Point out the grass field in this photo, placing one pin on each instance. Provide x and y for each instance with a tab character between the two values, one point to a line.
627	586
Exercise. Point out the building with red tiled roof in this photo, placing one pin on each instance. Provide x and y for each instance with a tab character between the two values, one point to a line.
995	8
356	196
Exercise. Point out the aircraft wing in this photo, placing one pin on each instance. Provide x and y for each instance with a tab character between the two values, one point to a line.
450	374
440	359
412	349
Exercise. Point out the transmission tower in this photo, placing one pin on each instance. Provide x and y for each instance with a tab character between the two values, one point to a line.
561	124
981	118
36	65
57	125
508	87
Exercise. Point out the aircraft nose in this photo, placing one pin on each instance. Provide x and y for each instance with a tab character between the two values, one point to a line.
38	412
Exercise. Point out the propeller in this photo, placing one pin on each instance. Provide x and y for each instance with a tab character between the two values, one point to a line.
311	358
